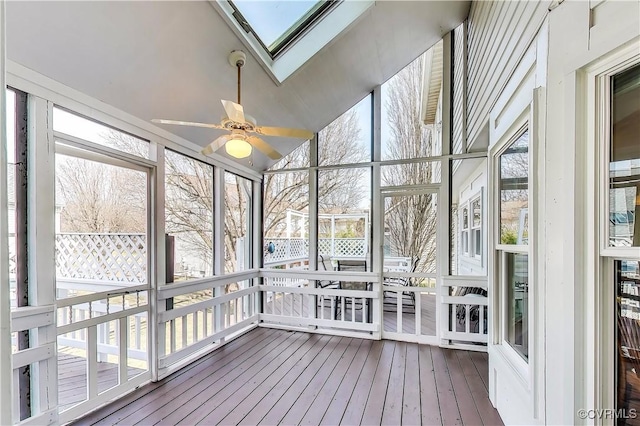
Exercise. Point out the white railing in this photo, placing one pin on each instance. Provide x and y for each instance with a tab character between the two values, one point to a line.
120	308
406	306
106	344
333	310
107	257
185	332
42	359
466	315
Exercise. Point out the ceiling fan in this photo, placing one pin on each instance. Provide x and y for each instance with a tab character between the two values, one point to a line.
241	127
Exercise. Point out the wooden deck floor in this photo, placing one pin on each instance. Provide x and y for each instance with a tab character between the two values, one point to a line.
72	378
277	377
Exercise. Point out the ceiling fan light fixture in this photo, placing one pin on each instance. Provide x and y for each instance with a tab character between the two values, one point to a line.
238	148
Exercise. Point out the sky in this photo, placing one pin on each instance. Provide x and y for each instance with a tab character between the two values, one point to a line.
270	19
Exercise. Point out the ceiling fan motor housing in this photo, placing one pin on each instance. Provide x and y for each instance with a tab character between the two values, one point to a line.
237	57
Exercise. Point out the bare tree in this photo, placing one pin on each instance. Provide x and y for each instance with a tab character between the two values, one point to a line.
100	198
189	188
338	189
410	221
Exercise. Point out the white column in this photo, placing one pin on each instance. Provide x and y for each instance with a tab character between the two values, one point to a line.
444	201
41	242
377	207
158	255
218	236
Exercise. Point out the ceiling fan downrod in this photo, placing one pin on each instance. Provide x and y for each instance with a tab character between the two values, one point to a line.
237	59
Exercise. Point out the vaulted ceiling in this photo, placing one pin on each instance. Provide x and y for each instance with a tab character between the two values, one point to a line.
169	60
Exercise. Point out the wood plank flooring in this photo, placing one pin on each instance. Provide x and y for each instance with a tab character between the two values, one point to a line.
278	377
72	378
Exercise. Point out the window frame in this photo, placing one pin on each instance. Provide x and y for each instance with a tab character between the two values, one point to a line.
477	231
523	367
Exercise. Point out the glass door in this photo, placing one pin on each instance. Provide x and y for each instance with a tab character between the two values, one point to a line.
409	265
102	278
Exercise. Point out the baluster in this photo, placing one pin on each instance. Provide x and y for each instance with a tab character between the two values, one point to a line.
196	318
353	308
332	314
454	316
174	338
138	331
467	318
183	329
398	311
418	313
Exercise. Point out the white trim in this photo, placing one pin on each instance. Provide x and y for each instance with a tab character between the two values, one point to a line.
324	331
330	26
32	355
92	322
6	372
306	322
598	332
36	84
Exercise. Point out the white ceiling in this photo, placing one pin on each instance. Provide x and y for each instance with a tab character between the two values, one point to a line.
169	60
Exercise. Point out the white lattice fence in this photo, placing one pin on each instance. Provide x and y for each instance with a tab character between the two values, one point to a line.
287	248
349	247
110	257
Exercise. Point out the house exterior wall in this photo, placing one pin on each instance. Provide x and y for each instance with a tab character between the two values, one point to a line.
545	54
498	35
581	34
459	137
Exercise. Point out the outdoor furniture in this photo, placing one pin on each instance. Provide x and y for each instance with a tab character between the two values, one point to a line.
325	264
405	282
353	266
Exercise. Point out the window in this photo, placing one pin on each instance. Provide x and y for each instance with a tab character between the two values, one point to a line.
286	219
517	283
513	242
80	127
347	139
514	191
408	130
476	228
344	205
188	216
622	177
624	160
237	222
276	24
465	230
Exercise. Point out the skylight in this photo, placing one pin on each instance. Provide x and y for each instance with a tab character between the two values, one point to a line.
284	34
277	23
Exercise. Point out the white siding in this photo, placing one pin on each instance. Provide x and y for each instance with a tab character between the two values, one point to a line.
498	35
458	142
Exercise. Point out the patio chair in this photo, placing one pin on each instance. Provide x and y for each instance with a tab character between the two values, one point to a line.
325	264
353	266
405	281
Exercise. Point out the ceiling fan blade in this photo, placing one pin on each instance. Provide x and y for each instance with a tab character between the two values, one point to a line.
216	145
264	147
234	111
187	123
284	132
